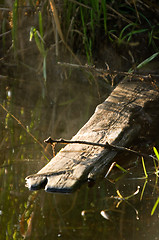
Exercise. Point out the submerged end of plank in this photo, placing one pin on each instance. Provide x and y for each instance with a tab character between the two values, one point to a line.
49	184
66	181
36	182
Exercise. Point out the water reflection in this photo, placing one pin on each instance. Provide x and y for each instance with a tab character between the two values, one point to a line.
59	110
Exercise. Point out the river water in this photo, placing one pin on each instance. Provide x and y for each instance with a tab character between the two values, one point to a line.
59	108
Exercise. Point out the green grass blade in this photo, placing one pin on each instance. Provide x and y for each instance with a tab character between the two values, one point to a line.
129	35
143	164
39	42
155	206
132	195
143	189
44	69
95	6
31	34
122	31
40	46
156	153
87	42
41	25
147	60
83	23
92	22
156	169
104	14
45	157
137	31
121	168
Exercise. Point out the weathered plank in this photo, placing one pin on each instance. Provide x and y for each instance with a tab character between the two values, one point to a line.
115	121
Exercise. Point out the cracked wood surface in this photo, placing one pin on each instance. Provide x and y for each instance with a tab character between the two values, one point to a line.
115	121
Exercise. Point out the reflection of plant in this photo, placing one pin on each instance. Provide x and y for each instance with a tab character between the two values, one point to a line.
26	220
156	172
120	198
146	177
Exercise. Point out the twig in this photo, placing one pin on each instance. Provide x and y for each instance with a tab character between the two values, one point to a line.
20	123
107	72
5	33
104	145
64	141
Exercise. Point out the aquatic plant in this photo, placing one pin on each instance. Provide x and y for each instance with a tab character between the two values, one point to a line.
84	25
157	201
38	36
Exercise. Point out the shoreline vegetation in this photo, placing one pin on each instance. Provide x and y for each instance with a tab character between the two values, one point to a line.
116	36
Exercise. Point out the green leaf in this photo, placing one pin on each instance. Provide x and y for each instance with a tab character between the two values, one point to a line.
44	69
103	2
147	60
45	157
39	42
143	189
129	35
143	163
122	31
156	153
155	206
121	168
41	25
31	34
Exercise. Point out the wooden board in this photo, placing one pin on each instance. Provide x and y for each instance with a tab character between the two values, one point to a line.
118	120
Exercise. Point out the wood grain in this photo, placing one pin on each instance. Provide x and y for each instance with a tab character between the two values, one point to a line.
118	120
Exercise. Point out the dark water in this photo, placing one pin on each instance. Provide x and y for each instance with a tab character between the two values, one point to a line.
59	108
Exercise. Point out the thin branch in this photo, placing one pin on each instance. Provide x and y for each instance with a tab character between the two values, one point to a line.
104	145
20	123
5	33
108	72
64	141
